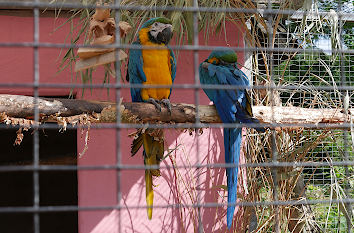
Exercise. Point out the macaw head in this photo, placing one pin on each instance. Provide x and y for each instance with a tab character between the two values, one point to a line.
160	30
222	56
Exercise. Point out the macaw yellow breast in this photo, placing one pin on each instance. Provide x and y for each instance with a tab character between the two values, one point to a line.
156	68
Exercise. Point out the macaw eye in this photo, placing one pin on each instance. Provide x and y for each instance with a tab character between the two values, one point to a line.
155	24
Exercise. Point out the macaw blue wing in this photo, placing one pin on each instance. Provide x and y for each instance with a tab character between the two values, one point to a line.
135	72
233	105
227	101
173	64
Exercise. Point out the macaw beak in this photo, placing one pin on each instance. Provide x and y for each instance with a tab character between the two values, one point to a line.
166	35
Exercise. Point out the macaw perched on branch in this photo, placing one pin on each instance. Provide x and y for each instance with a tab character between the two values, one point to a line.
152	67
233	106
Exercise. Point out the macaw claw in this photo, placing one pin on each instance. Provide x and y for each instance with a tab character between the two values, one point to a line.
167	103
155	103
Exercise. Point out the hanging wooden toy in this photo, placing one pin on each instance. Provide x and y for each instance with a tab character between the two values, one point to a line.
101	32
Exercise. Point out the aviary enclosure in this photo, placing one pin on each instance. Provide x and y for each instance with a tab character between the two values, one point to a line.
297	176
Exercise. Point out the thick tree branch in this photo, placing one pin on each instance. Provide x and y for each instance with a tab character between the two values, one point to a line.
23	106
105	112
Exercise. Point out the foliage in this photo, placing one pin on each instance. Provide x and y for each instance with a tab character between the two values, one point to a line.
304	70
209	22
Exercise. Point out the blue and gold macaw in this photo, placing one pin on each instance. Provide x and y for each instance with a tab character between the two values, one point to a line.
154	67
233	106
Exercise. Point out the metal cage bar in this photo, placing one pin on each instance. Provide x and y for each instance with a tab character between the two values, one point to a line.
345	87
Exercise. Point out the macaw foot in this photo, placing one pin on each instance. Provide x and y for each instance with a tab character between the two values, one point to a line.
155	103
167	103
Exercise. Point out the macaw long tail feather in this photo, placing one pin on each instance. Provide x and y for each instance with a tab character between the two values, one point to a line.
232	143
153	154
136	144
149	192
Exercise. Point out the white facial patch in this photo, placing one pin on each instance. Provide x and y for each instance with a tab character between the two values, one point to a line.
158	27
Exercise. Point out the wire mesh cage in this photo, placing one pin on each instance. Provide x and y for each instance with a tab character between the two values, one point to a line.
74	163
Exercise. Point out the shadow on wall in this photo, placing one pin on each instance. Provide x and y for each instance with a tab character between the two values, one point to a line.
176	186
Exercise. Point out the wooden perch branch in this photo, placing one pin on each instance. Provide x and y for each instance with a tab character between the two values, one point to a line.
105	112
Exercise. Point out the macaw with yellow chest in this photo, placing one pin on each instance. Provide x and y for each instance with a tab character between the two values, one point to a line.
233	106
152	67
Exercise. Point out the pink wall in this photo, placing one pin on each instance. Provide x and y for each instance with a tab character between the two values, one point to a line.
98	188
